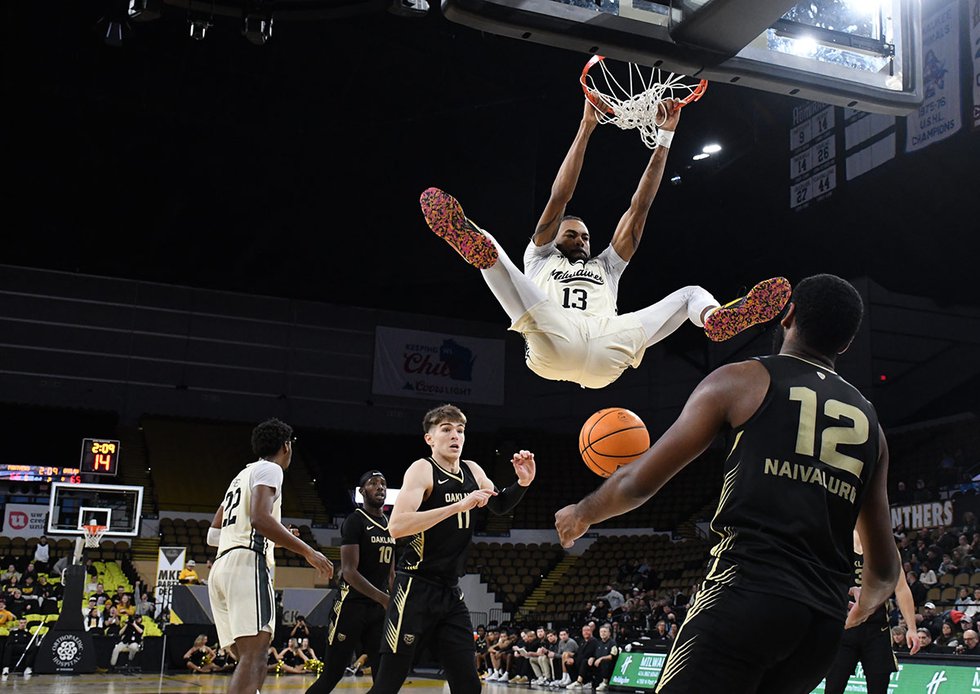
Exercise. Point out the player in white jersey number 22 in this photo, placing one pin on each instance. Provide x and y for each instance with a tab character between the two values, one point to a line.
246	530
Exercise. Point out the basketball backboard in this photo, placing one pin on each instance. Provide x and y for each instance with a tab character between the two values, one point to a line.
863	54
116	506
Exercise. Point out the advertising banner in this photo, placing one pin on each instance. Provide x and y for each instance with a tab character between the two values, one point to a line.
170	562
25	520
437	366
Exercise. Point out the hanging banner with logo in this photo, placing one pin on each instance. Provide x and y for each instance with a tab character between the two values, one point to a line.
939	115
975	50
437	366
170	562
25	520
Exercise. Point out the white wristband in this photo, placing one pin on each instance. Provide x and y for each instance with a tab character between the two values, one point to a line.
663	138
214	535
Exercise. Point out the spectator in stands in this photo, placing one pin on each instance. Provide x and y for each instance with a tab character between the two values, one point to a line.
27	590
145	606
200	656
6	616
901	496
100	595
925	640
899	642
188	575
59	566
918	590
584	659
970	645
47	595
567	648
612	597
927	576
922	494
93	576
111	624
947	635
947	566
130	641
963	598
11	572
16	646
42	555
92	617
125	606
17	604
931	619
660	634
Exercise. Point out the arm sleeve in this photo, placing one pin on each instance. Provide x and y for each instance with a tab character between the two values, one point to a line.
268	474
506	500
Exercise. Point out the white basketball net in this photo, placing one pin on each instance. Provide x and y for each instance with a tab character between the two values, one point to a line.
93	534
635	102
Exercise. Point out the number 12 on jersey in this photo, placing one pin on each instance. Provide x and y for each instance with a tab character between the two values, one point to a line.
856	434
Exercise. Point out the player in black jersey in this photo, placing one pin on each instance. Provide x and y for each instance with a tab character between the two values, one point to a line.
871	642
806	461
433	509
367	560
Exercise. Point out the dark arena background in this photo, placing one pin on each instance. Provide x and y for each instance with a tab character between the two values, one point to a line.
208	224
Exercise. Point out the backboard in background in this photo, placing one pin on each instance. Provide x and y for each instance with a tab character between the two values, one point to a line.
114	505
863	54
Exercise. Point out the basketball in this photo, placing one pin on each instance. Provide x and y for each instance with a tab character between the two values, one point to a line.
611	438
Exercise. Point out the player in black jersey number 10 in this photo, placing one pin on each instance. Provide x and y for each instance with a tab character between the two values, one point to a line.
433	510
806	462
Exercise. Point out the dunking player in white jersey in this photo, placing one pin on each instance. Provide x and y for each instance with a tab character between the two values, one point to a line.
564	303
246	530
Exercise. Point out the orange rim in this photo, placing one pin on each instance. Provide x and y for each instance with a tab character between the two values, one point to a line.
698	92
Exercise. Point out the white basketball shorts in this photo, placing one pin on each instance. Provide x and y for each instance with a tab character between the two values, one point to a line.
240	586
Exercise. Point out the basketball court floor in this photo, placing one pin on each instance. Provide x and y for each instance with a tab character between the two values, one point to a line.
153	683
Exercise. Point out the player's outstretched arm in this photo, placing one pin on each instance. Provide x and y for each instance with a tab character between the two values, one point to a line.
626	238
564	186
407	520
274	531
350	560
874	526
906	605
505	500
630	486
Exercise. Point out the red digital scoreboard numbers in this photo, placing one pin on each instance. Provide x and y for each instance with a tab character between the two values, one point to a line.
99	457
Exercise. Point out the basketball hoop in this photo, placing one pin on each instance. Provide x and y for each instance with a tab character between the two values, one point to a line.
93	534
636	104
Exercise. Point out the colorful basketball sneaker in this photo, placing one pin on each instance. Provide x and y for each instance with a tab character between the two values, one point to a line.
445	217
763	303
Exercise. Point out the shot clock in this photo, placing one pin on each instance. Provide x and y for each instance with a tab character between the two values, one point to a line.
99	457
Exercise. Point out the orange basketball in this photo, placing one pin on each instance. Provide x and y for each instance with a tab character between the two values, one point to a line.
612	438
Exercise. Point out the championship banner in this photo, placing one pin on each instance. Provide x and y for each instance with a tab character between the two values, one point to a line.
25	520
919	516
437	366
170	562
939	116
975	50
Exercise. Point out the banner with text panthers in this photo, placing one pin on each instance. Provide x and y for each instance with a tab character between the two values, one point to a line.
437	366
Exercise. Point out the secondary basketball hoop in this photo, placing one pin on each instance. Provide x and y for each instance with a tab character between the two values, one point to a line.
93	534
635	102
